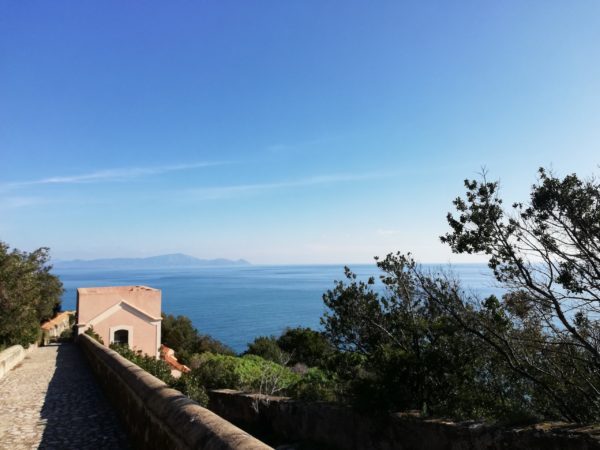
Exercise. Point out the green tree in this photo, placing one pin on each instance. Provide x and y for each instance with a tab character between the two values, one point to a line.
179	334
403	350
546	254
266	347
29	294
306	346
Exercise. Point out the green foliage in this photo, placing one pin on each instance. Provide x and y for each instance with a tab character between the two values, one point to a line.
188	383
267	347
247	373
251	373
402	348
179	334
157	367
418	341
546	253
305	346
316	385
92	333
29	294
191	386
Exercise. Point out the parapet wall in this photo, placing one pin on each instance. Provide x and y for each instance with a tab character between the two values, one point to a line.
12	356
337	427
156	416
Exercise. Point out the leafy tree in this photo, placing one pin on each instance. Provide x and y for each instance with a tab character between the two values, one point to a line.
316	385
306	346
29	294
546	253
179	334
267	347
405	350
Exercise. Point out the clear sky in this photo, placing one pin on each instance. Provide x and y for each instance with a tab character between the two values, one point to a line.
282	131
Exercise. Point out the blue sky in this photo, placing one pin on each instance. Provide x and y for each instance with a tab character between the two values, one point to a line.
282	131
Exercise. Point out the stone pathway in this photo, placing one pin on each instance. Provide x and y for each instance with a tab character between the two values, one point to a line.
51	401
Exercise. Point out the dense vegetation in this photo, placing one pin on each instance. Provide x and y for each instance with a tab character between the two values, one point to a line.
179	334
29	294
426	343
414	339
266	368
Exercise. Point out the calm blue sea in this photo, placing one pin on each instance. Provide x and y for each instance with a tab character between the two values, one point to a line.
236	304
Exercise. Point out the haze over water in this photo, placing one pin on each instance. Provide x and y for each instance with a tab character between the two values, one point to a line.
237	304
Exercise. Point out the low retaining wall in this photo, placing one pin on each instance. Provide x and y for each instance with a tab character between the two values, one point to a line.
156	416
341	428
10	357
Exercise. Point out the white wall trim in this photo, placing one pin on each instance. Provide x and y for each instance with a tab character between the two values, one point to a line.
125	306
112	330
156	324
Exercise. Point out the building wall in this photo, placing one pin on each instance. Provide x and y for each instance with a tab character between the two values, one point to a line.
144	331
142	334
98	300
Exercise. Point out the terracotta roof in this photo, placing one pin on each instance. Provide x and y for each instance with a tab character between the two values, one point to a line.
48	325
115	289
168	356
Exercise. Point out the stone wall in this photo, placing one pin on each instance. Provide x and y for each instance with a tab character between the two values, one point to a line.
335	427
10	357
156	416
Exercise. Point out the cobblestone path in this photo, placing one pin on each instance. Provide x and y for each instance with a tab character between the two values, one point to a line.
51	401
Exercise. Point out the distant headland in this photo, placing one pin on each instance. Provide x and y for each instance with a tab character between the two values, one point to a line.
160	261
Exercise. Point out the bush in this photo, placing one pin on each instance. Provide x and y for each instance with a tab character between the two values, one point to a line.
190	386
316	385
179	334
92	333
267	347
248	373
157	367
305	345
188	383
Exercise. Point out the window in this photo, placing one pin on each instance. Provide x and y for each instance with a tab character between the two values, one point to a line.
121	337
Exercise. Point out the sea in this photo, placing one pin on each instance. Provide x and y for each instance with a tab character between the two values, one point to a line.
235	304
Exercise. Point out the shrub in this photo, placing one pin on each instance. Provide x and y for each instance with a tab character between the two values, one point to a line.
157	367
92	333
248	373
179	334
267	347
190	386
315	385
305	345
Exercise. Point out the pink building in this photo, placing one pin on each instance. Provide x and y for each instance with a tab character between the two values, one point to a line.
122	314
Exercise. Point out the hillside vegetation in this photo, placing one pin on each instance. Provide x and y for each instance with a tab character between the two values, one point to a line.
425	343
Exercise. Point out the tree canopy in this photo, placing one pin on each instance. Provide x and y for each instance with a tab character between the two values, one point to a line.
29	294
179	333
417	339
546	253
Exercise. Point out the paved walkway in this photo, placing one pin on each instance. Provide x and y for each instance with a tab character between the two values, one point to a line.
51	401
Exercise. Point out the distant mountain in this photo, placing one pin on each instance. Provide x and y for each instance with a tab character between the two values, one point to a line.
152	262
